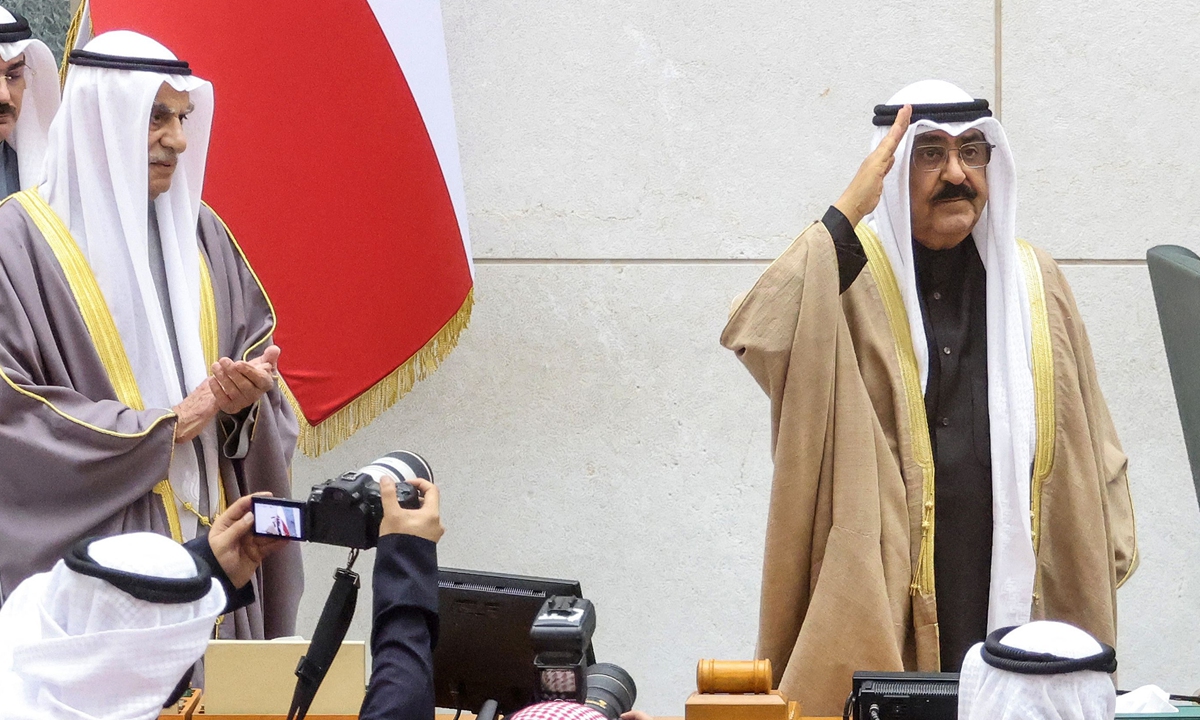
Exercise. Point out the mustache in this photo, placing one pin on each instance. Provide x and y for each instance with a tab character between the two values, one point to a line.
165	156
955	192
8	109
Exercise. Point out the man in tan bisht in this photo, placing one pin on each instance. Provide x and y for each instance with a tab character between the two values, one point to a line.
937	479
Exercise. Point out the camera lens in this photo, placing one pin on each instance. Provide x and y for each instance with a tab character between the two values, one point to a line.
401	465
610	690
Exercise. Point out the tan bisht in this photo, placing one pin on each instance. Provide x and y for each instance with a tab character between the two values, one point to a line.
844	529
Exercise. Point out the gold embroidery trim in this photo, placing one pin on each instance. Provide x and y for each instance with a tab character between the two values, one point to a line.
893	305
82	423
99	321
210	340
88	296
208	315
1043	385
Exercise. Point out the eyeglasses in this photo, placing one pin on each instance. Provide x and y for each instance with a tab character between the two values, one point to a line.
930	158
16	73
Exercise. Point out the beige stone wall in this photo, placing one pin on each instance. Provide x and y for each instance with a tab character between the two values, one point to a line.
632	166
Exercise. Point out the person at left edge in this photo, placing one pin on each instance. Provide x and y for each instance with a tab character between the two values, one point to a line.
114	628
119	294
28	101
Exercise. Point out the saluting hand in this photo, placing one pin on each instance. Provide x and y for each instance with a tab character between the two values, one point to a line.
863	194
237	385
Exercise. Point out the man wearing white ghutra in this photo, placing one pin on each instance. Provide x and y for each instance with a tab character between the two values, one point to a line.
139	384
945	463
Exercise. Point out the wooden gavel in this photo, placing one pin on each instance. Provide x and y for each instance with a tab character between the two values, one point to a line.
734	676
737	690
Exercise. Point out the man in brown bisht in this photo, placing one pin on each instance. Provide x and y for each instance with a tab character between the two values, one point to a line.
138	375
945	464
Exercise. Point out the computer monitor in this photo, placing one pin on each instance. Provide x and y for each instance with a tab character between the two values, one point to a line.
904	696
1175	278
483	651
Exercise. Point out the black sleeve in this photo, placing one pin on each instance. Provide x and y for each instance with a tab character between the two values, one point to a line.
850	254
235	599
404	630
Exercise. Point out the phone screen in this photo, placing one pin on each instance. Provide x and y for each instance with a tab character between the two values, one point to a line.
274	517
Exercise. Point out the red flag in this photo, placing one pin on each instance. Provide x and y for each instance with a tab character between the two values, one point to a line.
333	160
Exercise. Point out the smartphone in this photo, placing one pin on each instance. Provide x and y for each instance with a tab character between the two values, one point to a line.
276	517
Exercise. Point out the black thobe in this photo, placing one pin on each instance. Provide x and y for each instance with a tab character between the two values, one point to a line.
952	288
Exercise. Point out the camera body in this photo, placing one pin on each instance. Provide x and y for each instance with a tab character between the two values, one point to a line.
566	665
345	510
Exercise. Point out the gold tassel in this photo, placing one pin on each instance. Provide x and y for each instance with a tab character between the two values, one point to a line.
72	37
922	449
922	583
364	409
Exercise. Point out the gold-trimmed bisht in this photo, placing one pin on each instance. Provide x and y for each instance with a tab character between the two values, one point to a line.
1043	385
914	396
924	582
107	340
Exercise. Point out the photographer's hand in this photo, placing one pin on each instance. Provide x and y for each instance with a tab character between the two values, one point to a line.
636	715
238	550
424	523
238	385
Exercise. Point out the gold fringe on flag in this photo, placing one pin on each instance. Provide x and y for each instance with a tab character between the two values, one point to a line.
72	37
364	409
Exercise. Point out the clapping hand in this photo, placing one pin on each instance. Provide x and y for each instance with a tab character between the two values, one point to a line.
237	385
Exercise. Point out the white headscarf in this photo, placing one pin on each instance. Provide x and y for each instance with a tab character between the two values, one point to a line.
75	646
1009	343
97	181
990	693
38	105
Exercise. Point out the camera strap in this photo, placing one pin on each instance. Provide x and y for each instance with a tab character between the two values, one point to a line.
327	638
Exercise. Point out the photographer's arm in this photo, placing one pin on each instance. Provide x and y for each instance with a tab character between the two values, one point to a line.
405	623
234	552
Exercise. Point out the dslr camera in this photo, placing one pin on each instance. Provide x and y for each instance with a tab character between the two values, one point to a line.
565	663
345	510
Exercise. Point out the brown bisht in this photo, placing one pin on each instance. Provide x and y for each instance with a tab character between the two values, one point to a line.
80	457
844	529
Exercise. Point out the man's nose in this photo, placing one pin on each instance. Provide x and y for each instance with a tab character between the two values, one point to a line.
174	137
953	171
5	95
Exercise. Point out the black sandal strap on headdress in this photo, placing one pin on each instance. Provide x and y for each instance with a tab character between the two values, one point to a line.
165	591
15	31
885	115
1005	657
119	62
